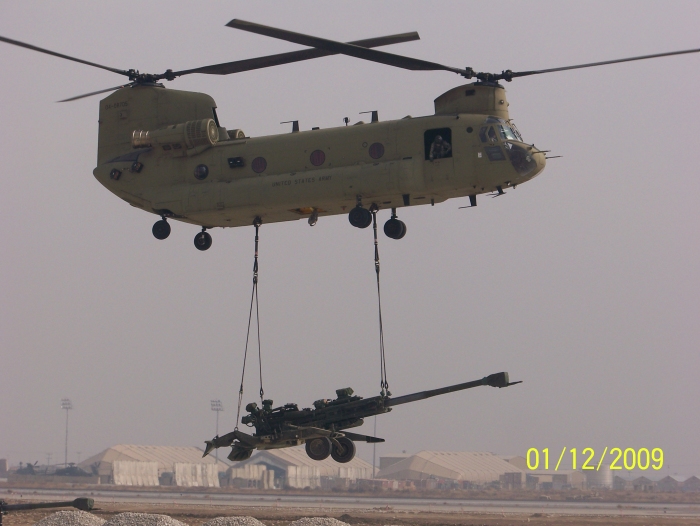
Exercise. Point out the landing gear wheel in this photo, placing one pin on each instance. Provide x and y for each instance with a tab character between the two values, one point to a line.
346	454
318	448
202	241
360	217
395	228
161	229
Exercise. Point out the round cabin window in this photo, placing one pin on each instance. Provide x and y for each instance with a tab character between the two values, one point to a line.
259	165
201	172
317	157
376	151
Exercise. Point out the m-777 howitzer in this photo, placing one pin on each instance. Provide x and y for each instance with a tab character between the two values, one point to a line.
82	503
322	428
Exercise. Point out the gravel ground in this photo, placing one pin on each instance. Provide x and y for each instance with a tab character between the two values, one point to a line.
198	515
71	518
318	521
234	521
142	519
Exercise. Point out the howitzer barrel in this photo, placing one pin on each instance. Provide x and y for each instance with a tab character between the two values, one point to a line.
493	380
80	503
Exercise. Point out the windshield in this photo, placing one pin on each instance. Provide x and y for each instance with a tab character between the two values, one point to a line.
516	132
507	133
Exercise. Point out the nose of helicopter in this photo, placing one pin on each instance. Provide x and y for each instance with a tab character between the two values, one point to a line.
527	160
537	161
541	160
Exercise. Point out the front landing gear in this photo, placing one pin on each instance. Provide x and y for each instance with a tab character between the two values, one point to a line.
394	228
161	229
202	241
360	217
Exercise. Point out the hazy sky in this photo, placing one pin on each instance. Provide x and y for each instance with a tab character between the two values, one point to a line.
584	282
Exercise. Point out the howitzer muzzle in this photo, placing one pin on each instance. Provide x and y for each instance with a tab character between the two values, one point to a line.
493	380
81	503
497	380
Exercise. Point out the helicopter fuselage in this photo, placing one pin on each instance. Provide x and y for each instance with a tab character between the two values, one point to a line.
165	152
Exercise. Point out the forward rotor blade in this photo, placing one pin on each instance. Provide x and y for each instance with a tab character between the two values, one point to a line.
96	92
592	64
333	46
239	66
60	55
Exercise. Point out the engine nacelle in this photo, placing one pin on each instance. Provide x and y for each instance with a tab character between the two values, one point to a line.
187	135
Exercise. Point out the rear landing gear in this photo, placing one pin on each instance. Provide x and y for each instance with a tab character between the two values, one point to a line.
161	229
202	241
394	228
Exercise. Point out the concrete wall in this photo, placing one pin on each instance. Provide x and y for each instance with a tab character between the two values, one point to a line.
196	475
303	476
130	473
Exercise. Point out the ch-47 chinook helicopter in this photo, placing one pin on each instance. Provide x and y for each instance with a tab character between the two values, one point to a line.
165	151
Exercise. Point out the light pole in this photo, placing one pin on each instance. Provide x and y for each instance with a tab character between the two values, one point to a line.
67	405
374	450
216	406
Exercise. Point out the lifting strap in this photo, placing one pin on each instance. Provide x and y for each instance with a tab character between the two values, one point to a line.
384	383
253	298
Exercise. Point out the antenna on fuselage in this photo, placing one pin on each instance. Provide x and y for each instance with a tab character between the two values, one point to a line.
295	125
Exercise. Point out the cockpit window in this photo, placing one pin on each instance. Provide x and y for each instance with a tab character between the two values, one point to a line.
493	120
492	135
506	133
516	131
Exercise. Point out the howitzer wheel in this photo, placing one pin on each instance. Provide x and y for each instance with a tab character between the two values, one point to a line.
318	448
346	452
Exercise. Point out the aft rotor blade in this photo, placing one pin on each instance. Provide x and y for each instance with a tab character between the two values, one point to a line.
333	46
96	92
239	66
593	64
60	55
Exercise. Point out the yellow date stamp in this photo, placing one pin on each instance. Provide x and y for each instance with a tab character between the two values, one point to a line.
629	458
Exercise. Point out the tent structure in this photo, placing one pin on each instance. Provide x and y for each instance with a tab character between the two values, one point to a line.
455	466
141	465
295	467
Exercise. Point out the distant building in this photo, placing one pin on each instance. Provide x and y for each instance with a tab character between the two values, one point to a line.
518	461
454	467
599	478
385	462
669	484
554	480
154	465
621	484
691	484
643	484
666	484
